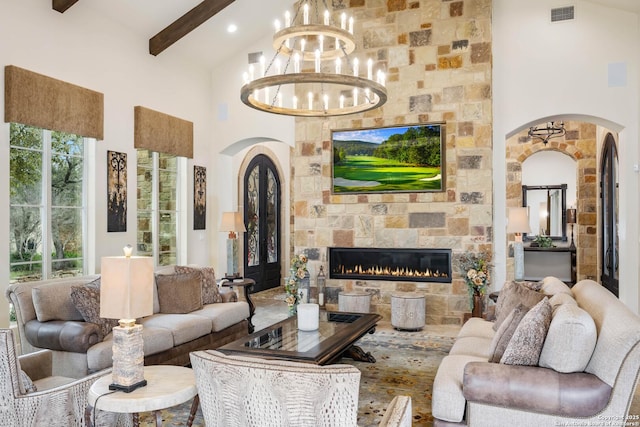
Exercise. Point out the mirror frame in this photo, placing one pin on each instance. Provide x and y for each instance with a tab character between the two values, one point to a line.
563	188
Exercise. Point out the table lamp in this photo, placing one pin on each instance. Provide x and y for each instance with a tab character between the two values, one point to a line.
571	219
518	223
126	293
232	222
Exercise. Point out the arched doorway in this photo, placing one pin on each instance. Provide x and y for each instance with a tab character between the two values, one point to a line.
262	253
609	214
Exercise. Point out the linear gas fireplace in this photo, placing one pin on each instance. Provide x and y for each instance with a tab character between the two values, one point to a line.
417	265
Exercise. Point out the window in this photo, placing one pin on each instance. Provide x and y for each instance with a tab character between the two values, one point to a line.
158	214
47	203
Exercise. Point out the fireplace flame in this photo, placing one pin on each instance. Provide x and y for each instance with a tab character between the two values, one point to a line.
387	271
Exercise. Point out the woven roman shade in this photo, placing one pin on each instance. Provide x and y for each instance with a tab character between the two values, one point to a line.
162	133
44	102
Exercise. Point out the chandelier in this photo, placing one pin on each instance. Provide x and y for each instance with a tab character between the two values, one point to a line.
311	73
550	130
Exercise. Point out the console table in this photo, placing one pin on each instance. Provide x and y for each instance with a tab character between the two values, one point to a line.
246	285
560	261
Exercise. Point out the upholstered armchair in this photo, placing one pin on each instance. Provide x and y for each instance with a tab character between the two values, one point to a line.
240	391
31	396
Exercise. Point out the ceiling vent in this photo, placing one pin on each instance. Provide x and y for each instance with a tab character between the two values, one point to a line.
560	14
254	57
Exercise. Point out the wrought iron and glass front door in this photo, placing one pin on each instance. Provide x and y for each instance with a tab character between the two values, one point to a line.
262	217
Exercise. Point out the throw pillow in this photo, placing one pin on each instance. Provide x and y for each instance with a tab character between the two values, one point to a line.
505	332
86	299
51	301
512	294
552	286
527	340
27	384
572	332
179	293
534	286
210	292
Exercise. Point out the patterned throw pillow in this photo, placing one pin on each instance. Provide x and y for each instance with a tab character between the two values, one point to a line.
27	384
210	293
527	341
86	298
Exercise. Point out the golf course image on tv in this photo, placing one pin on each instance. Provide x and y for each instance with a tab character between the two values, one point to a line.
389	159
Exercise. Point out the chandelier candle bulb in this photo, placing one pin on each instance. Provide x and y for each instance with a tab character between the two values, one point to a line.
266	95
296	63
277	25
305	14
370	69
355	97
262	66
338	65
321	39
341	105
295	102
343	21
351	25
310	98
302	44
355	67
317	61
278	66
287	19
326	17
280	99
326	102
245	77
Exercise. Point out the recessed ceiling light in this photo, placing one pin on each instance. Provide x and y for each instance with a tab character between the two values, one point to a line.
232	28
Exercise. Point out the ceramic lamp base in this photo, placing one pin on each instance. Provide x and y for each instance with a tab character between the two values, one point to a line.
128	359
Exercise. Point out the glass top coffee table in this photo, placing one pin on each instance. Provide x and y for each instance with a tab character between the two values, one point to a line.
335	337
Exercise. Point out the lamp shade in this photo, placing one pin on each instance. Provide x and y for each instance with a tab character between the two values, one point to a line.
126	287
518	220
571	216
232	221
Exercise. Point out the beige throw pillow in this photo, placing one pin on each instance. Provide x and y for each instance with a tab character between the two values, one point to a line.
527	341
179	293
210	292
512	294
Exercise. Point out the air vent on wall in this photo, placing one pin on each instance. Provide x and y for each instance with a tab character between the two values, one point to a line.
562	14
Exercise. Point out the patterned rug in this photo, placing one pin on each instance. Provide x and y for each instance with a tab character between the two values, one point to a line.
406	365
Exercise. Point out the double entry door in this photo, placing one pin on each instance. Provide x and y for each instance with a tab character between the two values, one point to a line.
262	219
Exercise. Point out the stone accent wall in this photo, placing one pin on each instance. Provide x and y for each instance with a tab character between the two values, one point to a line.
580	144
437	55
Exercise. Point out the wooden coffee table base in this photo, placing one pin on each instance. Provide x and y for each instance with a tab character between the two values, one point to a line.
357	353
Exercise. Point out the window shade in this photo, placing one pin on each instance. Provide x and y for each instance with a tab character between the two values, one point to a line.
37	100
162	133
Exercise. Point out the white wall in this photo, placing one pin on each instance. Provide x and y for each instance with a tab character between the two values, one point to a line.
560	70
236	129
85	49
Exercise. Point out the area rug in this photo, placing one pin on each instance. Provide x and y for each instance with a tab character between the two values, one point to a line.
406	363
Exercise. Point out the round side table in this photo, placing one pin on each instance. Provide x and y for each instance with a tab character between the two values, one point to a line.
408	311
167	386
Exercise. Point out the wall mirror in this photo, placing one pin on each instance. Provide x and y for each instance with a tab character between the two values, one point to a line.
547	210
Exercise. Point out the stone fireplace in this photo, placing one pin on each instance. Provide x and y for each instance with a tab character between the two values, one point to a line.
417	264
438	60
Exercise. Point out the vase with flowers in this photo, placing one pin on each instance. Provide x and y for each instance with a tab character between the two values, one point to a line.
475	270
297	273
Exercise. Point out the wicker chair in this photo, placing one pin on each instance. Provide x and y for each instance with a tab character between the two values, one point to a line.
240	391
58	401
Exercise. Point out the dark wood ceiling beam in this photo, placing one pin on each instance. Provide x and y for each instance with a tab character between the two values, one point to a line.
185	24
62	5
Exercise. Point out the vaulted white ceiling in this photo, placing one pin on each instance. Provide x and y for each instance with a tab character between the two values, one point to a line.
210	43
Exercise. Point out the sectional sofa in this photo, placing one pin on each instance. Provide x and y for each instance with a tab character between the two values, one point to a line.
62	315
554	356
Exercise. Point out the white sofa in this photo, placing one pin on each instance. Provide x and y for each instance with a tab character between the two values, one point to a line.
47	318
585	374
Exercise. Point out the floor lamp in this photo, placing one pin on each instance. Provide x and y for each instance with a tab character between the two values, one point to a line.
233	223
126	293
518	223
